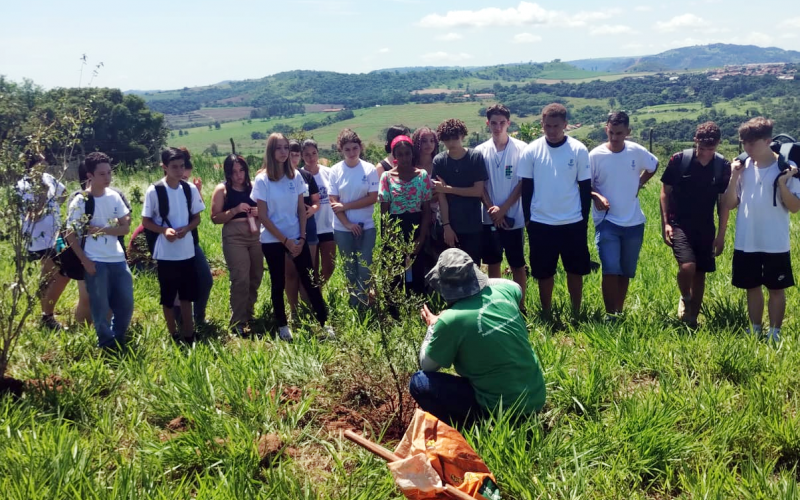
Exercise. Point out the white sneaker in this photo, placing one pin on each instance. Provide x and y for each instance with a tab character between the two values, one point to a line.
329	331
284	333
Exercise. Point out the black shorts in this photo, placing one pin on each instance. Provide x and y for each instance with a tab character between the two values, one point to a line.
549	242
177	277
324	237
39	255
754	269
693	245
496	241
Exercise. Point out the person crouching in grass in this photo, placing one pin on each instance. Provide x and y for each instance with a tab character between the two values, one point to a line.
761	248
483	335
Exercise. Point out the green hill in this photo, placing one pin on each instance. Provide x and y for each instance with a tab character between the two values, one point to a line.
696	57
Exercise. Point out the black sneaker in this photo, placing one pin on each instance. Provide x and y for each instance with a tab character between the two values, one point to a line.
49	322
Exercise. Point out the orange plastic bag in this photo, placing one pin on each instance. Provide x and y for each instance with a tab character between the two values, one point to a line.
447	454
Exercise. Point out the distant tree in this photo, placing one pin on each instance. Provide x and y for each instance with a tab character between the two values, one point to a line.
217	125
212	150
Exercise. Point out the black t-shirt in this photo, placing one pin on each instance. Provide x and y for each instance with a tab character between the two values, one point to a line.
694	192
466	215
312	186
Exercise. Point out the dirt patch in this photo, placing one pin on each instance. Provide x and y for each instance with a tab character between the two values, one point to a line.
216	273
51	383
639	383
359	413
270	449
178	424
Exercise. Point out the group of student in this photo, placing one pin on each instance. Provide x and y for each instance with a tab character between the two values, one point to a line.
478	200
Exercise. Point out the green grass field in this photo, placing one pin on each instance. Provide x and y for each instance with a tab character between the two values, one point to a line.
369	123
641	409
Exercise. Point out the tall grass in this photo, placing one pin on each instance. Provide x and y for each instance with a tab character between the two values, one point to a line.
644	408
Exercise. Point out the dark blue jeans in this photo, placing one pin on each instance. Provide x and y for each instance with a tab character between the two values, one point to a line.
447	397
111	287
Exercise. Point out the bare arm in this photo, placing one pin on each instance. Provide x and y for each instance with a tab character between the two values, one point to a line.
219	216
122	228
790	201
301	210
474	191
730	200
366	201
646	176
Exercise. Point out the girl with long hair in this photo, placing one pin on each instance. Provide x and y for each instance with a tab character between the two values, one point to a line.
278	192
232	207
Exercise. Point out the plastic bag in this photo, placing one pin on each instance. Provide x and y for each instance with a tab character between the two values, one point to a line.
448	455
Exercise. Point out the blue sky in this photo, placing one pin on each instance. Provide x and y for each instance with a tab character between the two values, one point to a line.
170	44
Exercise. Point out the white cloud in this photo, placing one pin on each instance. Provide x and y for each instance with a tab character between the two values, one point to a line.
442	57
449	37
643	8
790	23
789	35
615	29
524	14
527	38
757	38
681	22
384	50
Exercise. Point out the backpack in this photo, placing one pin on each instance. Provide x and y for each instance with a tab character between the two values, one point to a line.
719	165
65	257
163	212
788	149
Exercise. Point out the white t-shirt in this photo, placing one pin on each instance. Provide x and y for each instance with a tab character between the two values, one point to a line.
43	231
351	184
178	216
616	176
555	173
502	169
281	198
324	216
107	208
761	227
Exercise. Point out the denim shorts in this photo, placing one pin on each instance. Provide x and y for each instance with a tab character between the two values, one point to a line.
311	231
619	247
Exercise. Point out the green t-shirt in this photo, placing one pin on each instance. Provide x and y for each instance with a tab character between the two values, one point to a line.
486	340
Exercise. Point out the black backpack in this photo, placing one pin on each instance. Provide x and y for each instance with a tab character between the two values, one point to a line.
66	258
719	165
163	212
788	149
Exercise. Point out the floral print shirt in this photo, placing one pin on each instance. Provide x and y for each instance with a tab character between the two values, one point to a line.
405	196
